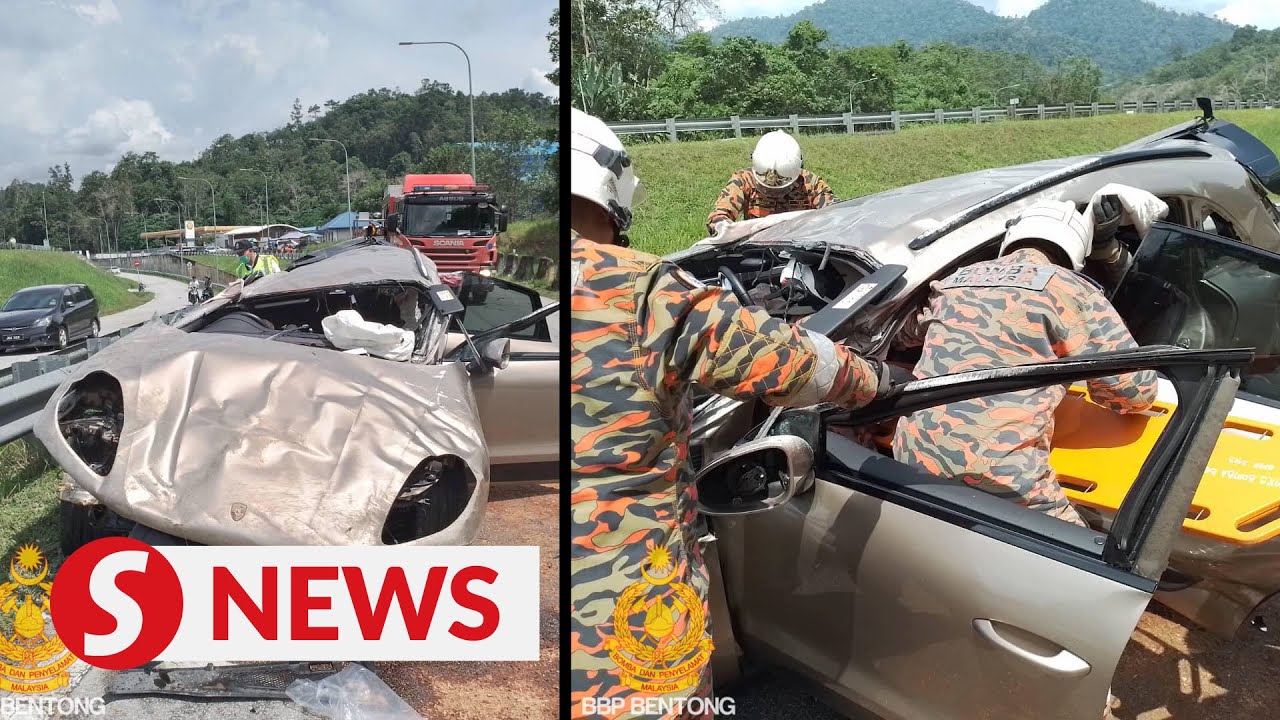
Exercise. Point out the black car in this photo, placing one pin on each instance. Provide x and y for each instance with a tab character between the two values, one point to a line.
48	315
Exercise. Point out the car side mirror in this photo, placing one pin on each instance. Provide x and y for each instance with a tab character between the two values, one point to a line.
494	355
503	214
755	476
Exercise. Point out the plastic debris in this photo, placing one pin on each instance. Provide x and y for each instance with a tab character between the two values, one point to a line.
354	693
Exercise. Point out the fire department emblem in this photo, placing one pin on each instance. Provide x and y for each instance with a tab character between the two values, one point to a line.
32	658
659	630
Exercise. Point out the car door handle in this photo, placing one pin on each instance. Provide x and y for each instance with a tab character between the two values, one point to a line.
1063	662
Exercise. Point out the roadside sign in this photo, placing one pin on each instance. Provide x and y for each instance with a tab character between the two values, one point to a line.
1013	101
137	264
189	227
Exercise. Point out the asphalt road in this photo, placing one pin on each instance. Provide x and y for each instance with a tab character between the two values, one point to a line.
170	295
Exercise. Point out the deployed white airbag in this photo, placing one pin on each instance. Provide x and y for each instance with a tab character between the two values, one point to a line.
348	331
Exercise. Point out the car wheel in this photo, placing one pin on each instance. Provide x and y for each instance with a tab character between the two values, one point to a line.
95	328
81	524
62	338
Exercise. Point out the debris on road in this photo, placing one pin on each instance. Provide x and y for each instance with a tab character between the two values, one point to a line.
355	693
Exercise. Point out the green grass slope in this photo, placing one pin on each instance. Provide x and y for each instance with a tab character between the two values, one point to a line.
24	268
684	178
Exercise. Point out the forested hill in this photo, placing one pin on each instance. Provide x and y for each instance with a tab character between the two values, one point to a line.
1245	66
1124	37
386	133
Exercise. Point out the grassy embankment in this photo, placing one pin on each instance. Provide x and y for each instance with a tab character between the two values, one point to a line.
25	268
28	482
684	178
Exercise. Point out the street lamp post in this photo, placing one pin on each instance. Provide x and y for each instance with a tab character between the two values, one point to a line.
108	229
1000	90
213	198
470	95
265	194
176	204
851	87
346	161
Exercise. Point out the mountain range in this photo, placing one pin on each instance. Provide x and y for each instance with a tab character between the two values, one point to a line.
1125	38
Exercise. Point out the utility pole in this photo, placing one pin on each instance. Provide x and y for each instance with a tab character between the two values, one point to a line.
265	194
44	213
351	218
213	198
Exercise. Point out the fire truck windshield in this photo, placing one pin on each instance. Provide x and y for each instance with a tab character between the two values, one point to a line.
429	220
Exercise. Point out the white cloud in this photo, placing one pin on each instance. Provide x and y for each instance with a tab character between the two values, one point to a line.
103	13
1252	12
118	127
536	81
205	68
1017	8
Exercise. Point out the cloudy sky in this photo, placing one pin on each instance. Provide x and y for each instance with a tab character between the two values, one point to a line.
87	80
1263	13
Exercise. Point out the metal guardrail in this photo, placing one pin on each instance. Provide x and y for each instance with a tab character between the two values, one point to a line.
893	121
27	386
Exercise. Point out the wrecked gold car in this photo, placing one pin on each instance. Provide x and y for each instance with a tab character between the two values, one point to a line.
350	400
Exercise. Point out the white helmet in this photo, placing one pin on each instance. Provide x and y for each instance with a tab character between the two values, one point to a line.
1056	222
600	169
776	161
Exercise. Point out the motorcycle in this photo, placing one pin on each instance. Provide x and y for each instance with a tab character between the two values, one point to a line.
199	290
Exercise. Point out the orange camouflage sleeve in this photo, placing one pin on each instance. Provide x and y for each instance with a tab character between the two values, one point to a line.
731	204
1091	325
820	194
744	353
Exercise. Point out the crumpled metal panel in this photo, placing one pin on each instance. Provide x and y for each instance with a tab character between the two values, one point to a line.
240	441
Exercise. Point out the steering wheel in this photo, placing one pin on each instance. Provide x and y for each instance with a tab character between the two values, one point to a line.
736	286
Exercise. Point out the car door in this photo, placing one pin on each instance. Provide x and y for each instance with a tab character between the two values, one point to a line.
70	318
918	597
83	311
519	405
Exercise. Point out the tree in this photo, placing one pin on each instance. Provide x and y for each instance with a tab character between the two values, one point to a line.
295	115
681	16
553	46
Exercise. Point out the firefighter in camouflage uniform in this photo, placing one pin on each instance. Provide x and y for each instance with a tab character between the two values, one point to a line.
1029	305
642	332
777	182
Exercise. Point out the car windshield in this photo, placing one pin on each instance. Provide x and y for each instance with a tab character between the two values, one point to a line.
33	300
423	220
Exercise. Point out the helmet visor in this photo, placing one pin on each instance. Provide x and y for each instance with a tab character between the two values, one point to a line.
773	180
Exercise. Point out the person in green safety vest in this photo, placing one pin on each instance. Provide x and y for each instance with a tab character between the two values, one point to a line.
252	261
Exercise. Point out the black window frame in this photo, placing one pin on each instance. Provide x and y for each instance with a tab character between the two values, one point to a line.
1153	246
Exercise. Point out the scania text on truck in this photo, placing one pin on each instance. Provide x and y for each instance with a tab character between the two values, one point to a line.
453	221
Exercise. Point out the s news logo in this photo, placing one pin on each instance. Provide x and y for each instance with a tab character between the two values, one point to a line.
122	603
105	589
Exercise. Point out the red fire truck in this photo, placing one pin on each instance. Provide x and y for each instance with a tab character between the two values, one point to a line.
453	221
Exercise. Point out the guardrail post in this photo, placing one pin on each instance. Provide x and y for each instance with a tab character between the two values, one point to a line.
25	370
1071	109
795	123
1040	111
938	117
896	118
671	130
977	116
848	122
1093	110
737	125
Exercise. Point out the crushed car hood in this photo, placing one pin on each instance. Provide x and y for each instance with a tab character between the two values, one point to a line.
370	264
240	441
